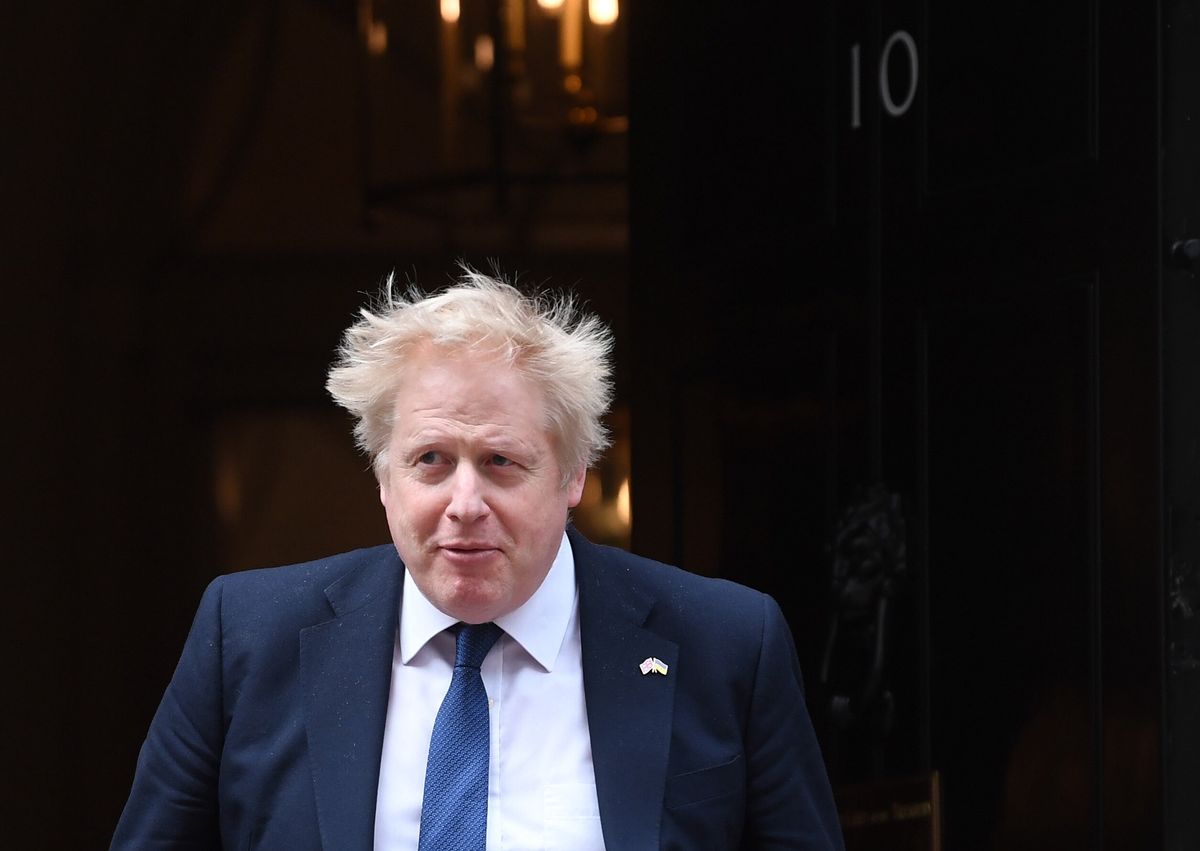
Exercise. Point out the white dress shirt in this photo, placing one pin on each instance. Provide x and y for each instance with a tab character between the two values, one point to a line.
541	784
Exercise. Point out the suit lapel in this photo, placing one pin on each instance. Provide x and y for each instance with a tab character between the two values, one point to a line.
346	668
629	713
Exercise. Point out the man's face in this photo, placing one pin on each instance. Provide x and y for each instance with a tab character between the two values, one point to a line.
472	486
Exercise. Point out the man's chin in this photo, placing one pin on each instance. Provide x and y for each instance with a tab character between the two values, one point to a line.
474	600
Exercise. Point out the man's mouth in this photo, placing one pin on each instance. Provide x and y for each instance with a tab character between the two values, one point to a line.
462	550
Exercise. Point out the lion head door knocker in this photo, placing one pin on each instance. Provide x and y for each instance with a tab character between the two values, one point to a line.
867	555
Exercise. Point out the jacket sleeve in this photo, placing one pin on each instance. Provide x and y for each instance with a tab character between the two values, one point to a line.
173	801
790	803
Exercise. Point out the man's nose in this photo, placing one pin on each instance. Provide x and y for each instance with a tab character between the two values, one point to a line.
467	501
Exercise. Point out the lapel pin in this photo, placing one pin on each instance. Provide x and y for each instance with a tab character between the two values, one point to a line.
653	664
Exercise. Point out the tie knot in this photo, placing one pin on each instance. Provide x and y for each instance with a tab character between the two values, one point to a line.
473	643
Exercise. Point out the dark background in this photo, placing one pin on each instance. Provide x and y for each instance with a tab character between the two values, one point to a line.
972	303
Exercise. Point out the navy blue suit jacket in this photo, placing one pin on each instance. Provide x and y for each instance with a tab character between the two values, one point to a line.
270	732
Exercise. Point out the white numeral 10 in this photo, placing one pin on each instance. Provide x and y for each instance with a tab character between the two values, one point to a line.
890	104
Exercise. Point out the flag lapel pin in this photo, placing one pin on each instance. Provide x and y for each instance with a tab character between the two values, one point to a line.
653	665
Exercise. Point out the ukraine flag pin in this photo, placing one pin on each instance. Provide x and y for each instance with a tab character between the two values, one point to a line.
653	665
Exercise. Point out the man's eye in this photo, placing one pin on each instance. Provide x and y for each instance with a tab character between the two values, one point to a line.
429	458
501	461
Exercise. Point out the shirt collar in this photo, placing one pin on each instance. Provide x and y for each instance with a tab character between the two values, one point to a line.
539	626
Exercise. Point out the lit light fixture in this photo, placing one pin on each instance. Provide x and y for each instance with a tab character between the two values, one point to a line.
602	12
527	92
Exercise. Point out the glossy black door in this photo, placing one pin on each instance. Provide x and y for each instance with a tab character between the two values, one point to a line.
917	244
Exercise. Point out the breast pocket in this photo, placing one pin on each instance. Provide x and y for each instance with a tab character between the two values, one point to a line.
706	784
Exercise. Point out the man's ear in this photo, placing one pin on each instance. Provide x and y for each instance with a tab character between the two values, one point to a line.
381	476
575	487
383	492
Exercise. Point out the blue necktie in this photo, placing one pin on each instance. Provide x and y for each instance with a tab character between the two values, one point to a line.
454	809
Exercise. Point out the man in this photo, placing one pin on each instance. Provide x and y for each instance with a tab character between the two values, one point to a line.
491	679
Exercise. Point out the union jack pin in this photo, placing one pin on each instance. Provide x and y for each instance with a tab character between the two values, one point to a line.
653	664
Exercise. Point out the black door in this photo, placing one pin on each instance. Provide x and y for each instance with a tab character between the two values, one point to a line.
917	246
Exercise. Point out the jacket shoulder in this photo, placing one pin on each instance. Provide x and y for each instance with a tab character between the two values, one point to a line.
298	590
670	586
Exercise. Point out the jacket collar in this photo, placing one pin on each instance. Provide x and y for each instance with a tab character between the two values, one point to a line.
345	668
629	713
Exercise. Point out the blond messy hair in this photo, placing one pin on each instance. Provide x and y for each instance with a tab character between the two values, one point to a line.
544	336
